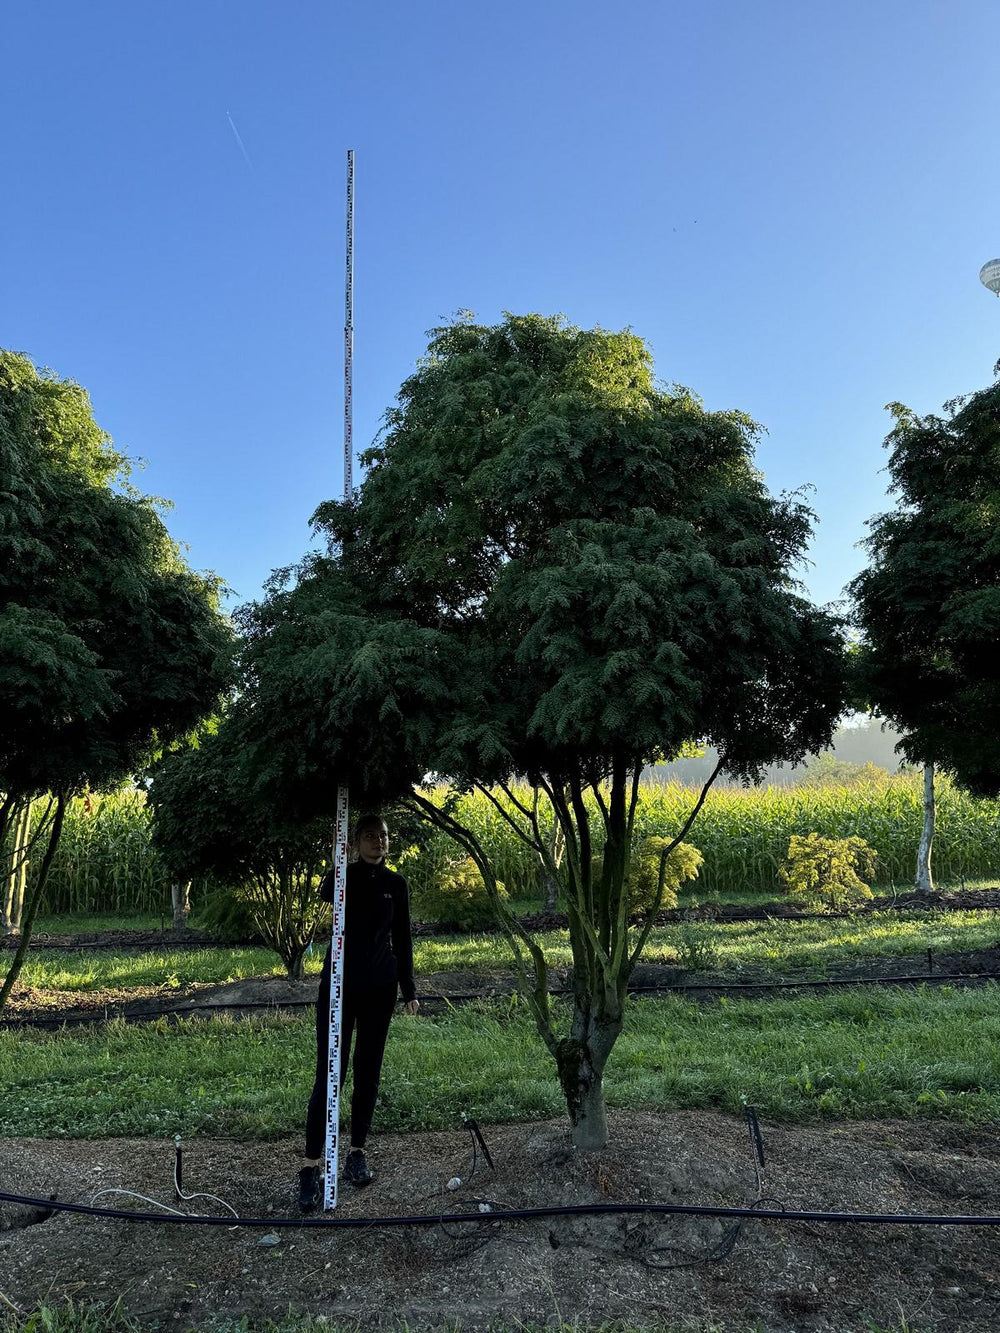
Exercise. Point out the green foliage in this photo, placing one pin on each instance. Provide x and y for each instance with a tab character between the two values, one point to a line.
106	861
645	887
226	914
929	603
554	568
828	870
211	818
109	645
696	948
456	898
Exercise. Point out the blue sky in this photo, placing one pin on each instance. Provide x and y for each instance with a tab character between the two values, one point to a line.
790	202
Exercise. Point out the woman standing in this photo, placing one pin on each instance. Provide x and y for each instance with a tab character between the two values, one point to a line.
378	959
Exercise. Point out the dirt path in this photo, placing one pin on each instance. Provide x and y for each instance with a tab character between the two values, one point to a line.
786	1276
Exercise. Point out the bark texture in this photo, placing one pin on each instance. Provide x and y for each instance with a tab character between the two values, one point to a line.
180	895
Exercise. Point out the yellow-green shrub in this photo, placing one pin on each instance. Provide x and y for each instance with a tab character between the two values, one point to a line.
829	871
681	865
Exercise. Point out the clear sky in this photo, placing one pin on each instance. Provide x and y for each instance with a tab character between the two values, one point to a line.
789	201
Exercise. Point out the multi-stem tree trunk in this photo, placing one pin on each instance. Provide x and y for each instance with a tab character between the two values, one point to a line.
34	901
924	882
605	947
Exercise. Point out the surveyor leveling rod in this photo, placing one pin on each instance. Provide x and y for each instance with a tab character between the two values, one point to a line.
331	1153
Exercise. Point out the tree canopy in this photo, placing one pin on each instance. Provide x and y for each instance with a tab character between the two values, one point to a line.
555	569
928	604
110	647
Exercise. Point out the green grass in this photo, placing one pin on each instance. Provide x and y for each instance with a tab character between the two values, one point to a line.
103	969
773	946
865	1053
73	923
749	948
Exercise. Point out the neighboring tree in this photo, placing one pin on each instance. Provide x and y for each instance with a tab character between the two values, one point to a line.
555	571
210	820
833	872
110	647
16	868
928	605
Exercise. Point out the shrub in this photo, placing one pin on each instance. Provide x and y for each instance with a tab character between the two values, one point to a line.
226	915
456	898
681	865
829	872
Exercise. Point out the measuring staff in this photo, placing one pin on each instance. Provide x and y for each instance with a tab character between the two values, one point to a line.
378	962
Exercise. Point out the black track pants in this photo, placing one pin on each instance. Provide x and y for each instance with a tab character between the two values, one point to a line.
365	1017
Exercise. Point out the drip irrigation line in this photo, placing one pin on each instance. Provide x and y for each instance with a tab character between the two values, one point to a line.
514	1215
464	997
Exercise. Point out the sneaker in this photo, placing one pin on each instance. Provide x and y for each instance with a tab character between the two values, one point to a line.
356	1169
310	1187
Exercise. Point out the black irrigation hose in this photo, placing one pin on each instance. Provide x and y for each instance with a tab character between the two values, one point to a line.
512	1215
918	979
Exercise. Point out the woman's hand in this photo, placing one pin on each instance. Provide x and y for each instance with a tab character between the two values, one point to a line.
411	1007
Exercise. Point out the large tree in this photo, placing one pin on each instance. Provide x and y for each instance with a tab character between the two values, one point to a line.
928	605
110	647
555	570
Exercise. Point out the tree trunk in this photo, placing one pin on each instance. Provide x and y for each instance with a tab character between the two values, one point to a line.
33	902
590	1126
556	846
924	883
581	1073
180	895
17	872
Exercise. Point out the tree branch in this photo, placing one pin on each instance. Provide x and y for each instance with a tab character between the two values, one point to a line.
513	930
506	815
647	925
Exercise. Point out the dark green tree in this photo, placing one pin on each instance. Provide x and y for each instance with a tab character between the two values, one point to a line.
211	819
928	605
555	570
110	647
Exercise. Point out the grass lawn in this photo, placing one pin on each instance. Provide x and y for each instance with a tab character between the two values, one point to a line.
751	947
859	1054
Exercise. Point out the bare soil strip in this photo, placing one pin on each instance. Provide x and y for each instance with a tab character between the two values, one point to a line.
787	1276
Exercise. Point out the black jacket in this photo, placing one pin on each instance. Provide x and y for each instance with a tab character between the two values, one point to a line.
378	949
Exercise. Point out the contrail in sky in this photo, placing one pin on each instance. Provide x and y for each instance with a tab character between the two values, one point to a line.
246	155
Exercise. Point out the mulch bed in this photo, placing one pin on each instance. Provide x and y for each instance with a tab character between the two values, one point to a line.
783	1277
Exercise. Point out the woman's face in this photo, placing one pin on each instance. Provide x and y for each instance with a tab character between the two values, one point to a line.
373	843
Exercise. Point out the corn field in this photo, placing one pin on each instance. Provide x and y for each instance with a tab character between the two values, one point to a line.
743	833
105	862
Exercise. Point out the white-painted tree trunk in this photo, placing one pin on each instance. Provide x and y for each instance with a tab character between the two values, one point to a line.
924	883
